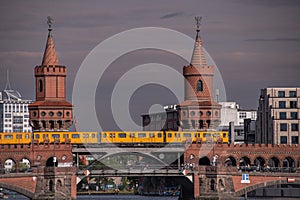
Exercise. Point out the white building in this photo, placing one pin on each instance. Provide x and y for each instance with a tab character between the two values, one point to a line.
14	115
278	116
232	114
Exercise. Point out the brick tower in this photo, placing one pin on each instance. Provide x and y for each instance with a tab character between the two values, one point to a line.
50	111
199	111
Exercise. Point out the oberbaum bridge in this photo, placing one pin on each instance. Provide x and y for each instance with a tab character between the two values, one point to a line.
54	175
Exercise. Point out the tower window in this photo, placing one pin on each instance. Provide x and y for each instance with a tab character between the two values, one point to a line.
40	85
199	86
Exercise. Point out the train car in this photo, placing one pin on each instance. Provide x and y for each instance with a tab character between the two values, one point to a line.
15	138
214	136
63	137
180	137
138	137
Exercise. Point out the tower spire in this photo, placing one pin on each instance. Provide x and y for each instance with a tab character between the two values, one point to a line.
50	57
198	56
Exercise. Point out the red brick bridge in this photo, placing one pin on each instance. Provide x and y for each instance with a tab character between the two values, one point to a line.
44	179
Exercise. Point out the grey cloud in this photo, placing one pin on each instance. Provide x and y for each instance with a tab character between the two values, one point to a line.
273	40
170	15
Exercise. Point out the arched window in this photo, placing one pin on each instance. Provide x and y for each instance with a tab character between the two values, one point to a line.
199	86
40	85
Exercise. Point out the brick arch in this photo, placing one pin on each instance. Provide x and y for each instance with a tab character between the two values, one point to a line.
246	158
17	189
262	185
290	159
271	157
261	162
232	156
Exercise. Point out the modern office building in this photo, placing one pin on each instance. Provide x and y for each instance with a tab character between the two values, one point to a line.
278	116
14	114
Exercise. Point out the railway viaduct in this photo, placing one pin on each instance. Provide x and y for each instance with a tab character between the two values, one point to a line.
218	178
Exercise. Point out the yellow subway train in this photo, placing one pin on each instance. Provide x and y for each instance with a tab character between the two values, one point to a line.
116	137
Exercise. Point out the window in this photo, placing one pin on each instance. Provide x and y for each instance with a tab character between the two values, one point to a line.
283	139
293	104
281	94
37	136
169	135
132	135
293	94
59	113
242	115
55	136
65	135
122	135
51	113
295	127
86	135
43	113
200	113
294	115
187	135
152	135
40	85
282	115
159	135
141	135
281	104
93	135
199	86
192	113
295	139
208	113
283	127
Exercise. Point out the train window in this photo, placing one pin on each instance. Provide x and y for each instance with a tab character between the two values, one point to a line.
186	135
132	135
159	135
66	136
152	135
169	135
20	136
85	135
177	135
112	135
198	134
104	135
45	136
27	136
141	135
75	136
8	136
224	135
93	135
55	136
206	135
122	135
0	137
37	136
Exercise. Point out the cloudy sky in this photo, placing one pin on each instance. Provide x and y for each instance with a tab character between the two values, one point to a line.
255	43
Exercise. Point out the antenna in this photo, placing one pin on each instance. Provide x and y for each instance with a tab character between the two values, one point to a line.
198	22
7	86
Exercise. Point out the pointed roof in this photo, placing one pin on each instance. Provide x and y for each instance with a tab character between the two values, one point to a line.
50	57
198	56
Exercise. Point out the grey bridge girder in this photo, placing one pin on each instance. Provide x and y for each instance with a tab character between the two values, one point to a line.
100	153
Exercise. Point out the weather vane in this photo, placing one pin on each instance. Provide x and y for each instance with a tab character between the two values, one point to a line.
49	22
198	22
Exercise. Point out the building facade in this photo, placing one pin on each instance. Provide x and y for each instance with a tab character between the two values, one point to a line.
233	120
51	111
14	114
278	116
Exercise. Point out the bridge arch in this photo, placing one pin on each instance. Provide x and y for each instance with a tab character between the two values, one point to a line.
19	190
204	161
50	162
251	188
274	162
288	162
24	164
259	161
10	165
129	153
230	161
244	161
